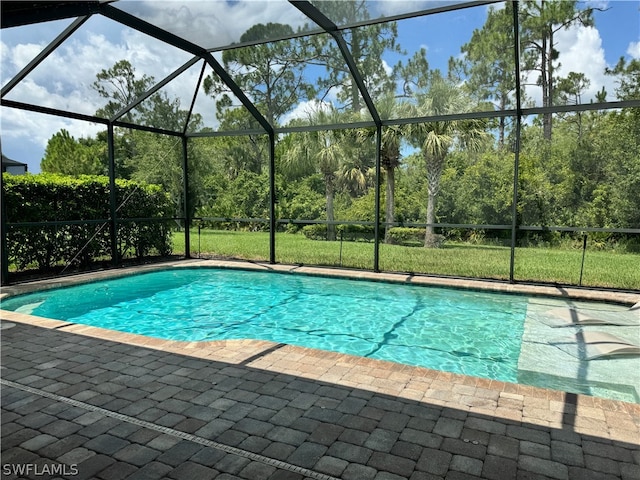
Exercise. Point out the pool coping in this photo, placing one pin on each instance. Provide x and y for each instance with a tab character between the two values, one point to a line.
611	419
492	397
570	293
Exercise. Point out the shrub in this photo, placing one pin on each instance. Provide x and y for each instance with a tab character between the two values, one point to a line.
629	245
316	231
407	236
77	209
344	232
355	233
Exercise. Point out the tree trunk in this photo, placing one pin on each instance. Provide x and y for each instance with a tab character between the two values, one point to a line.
546	76
331	228
390	203
435	165
431	215
548	118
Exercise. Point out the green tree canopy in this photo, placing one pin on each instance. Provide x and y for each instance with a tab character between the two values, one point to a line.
628	78
367	46
540	22
435	139
120	86
271	74
66	155
489	62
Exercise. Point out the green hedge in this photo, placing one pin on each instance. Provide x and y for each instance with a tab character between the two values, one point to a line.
346	232
407	236
58	198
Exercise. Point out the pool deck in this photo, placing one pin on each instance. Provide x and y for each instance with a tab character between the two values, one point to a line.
83	402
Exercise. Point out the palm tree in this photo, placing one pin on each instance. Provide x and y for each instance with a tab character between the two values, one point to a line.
324	151
436	138
389	107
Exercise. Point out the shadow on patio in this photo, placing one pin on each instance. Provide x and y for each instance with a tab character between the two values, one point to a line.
78	406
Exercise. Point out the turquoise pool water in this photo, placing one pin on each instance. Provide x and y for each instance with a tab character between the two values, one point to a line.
461	331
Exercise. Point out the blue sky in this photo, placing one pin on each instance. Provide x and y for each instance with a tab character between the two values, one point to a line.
64	80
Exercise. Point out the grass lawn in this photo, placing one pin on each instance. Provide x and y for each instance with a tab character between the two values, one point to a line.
601	269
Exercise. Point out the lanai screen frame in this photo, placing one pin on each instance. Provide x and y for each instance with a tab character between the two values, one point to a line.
15	14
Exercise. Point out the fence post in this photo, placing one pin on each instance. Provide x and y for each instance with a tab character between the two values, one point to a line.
186	199
376	228
516	160
4	260
272	198
112	196
584	251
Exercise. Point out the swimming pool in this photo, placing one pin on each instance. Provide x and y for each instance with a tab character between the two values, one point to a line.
462	331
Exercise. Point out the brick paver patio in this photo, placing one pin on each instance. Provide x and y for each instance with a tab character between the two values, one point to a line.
82	402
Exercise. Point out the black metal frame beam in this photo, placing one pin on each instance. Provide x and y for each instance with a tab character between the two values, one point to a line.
144	128
52	111
363	23
581	107
329	126
113	207
19	13
16	13
376	213
231	133
80	116
193	100
155	88
55	43
516	156
420	13
185	198
331	28
179	42
4	252
272	197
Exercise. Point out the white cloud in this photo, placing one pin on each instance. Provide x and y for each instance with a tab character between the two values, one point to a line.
72	68
306	109
397	7
634	50
64	81
581	52
600	4
387	68
214	24
23	54
21	125
25	134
